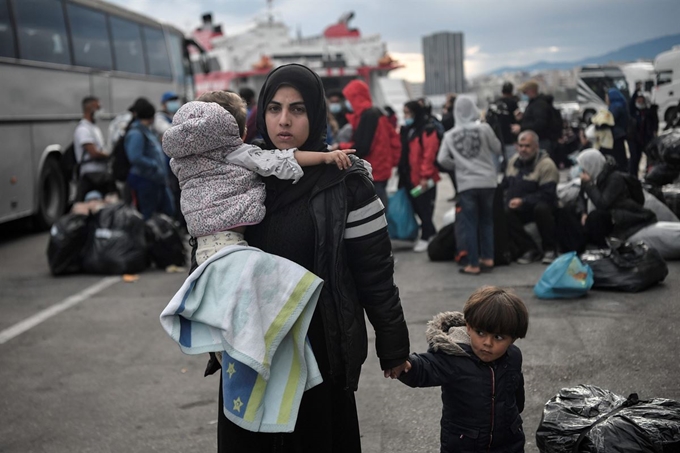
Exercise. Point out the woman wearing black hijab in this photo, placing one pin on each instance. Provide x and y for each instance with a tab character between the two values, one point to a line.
332	223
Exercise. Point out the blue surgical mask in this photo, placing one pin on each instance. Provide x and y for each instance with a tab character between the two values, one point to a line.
172	106
575	172
408	121
335	107
524	98
348	106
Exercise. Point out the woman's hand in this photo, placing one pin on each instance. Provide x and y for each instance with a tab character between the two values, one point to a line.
339	158
395	372
585	177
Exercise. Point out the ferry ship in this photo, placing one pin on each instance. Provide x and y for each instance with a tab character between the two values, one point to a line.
339	55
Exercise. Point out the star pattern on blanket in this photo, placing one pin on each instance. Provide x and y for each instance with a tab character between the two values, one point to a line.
237	404
231	370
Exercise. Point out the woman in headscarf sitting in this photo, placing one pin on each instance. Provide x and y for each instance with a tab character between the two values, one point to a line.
471	149
611	209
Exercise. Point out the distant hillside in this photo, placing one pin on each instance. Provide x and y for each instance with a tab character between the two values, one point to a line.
645	50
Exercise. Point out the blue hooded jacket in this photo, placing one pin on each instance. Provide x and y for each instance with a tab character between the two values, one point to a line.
619	108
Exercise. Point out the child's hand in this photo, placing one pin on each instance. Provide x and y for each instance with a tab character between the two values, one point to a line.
339	158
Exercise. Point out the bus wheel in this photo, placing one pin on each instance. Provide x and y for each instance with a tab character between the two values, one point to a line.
588	116
670	113
51	194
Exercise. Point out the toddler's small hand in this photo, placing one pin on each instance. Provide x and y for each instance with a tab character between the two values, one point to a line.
339	158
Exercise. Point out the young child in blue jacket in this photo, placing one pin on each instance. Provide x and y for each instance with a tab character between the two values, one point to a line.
473	359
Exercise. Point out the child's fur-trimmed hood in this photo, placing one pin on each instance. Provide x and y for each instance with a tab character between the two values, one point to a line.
446	332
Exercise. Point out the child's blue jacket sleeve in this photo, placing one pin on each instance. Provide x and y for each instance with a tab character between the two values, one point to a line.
429	370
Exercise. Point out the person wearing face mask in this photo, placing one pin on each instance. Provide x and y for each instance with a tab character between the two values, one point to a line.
163	119
536	117
420	144
148	176
170	103
337	106
92	158
642	128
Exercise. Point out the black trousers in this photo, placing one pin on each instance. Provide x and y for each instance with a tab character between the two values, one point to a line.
544	216
599	227
424	208
618	152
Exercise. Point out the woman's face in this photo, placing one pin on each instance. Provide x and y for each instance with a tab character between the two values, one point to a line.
286	119
408	113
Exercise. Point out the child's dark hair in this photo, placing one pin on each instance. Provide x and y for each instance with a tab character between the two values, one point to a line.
495	310
231	102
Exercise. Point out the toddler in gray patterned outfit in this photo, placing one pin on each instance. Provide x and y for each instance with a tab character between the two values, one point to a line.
219	175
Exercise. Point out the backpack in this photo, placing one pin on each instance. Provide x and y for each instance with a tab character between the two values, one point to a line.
120	166
555	123
69	164
634	188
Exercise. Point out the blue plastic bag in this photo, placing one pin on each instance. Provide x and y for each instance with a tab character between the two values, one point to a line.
401	222
567	277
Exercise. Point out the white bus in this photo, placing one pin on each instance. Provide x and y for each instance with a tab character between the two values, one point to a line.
667	90
593	83
53	53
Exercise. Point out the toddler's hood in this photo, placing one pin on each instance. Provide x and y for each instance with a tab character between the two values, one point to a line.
446	332
199	127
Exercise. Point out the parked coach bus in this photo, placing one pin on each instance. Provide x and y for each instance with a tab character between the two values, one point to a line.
53	53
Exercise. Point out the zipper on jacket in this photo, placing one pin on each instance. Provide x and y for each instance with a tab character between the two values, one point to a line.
493	405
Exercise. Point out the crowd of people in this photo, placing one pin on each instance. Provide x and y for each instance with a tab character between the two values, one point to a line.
301	174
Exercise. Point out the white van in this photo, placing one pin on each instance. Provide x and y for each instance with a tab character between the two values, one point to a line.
667	91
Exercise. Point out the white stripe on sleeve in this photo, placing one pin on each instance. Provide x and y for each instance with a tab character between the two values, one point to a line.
371	208
366	228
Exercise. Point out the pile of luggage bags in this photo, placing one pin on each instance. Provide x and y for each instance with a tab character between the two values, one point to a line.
114	240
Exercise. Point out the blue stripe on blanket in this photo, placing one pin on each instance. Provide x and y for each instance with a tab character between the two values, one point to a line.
238	381
184	332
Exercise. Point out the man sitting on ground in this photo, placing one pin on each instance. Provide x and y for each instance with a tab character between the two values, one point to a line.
531	196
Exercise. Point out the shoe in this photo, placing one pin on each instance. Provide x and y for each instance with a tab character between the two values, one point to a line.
421	246
463	271
549	257
529	257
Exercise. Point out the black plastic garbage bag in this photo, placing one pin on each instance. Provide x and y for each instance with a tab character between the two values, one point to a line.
68	236
671	195
164	241
590	419
669	147
626	267
662	174
443	246
116	243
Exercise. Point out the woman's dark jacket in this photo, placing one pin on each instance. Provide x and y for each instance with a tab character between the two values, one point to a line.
611	193
481	401
310	229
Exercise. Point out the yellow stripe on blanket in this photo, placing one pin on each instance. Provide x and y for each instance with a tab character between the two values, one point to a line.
286	312
291	385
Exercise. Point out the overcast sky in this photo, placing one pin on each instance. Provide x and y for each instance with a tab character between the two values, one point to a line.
497	32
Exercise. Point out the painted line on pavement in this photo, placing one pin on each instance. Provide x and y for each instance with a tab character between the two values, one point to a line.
28	323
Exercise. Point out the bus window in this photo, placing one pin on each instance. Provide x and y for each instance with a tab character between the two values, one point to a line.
157	52
90	38
6	32
127	46
177	53
42	31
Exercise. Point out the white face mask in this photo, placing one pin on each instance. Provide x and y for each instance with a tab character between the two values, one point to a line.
98	114
640	106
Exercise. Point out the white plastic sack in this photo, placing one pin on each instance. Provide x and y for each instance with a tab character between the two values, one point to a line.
449	217
663	212
662	236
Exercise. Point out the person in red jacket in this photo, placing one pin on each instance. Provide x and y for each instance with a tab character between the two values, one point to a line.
374	138
420	145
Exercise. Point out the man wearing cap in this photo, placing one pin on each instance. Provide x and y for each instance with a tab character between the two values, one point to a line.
163	119
92	158
536	116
